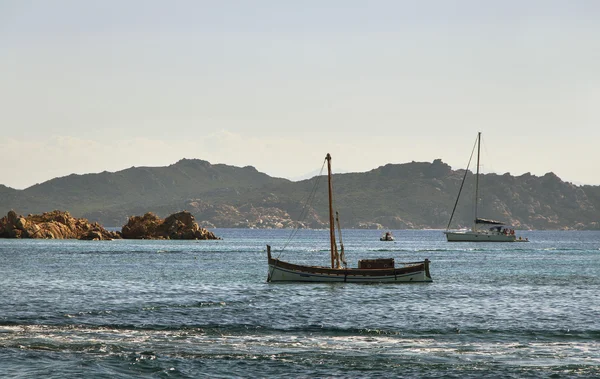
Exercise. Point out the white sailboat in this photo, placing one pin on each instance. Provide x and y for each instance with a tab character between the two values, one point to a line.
483	230
368	271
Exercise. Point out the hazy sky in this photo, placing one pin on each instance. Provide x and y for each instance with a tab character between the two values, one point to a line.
88	86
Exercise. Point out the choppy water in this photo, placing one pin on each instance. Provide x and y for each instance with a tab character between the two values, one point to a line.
203	309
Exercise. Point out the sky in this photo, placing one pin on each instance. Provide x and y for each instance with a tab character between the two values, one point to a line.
89	86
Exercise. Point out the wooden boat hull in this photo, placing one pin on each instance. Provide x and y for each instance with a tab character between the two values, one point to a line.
470	236
280	271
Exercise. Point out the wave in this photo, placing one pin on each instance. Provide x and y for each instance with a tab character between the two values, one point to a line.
221	350
243	329
359	361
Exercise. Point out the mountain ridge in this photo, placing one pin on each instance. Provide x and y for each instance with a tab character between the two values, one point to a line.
394	196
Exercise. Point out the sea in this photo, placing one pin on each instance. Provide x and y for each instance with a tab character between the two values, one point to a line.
203	309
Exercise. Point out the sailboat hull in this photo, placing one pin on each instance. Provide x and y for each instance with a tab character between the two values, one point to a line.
280	271
470	236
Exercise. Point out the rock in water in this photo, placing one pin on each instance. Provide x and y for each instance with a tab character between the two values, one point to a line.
54	225
181	226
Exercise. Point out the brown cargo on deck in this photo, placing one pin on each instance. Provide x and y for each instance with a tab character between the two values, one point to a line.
376	263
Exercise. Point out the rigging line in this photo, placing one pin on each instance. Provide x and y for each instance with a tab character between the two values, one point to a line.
302	215
342	255
333	198
490	170
334	204
461	184
311	197
310	194
309	200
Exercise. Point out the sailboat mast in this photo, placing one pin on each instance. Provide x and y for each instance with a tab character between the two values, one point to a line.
331	224
477	175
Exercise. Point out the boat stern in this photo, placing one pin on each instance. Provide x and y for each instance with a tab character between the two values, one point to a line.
427	273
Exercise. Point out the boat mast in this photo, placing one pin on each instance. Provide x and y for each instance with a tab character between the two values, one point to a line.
331	224
477	175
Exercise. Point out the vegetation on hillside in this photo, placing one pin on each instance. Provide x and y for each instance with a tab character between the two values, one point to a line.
395	196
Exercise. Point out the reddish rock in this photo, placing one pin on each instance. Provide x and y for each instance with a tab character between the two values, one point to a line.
52	225
180	225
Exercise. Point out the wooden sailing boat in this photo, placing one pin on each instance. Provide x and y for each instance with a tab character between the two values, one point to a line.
483	230
369	270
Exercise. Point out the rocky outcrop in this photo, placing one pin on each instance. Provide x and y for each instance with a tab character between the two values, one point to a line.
181	226
52	225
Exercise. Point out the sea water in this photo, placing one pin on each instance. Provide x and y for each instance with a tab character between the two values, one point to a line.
124	308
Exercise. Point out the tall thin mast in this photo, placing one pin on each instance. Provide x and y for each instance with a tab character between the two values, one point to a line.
331	224
477	175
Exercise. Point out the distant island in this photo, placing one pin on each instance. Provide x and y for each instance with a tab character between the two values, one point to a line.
413	195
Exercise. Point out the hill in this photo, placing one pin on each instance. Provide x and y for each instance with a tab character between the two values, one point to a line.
394	196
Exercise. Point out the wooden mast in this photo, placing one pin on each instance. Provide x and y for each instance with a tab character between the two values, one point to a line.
477	175
331	224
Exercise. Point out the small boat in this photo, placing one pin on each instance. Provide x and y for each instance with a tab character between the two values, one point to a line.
368	271
387	236
483	230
